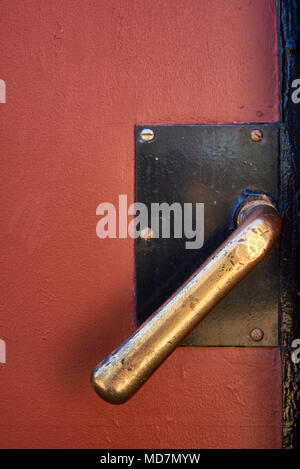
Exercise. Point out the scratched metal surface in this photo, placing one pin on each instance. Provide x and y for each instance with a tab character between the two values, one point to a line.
211	164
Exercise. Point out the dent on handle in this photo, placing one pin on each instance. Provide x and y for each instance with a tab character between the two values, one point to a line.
125	370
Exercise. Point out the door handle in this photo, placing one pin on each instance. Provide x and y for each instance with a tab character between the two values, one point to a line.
122	373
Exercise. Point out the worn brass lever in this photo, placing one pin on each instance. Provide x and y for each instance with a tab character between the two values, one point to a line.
124	371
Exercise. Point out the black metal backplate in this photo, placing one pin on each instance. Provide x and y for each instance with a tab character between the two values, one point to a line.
210	164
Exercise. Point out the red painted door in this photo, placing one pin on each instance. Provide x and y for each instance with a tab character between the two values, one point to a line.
79	76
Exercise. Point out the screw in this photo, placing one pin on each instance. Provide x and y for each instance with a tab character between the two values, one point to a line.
147	135
256	135
146	234
257	334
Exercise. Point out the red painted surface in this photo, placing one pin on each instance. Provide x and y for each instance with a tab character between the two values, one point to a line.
79	75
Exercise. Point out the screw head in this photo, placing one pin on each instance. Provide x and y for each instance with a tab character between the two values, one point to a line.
257	334
146	234
256	135
147	135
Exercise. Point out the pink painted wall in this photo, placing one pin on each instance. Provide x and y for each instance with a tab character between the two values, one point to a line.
79	75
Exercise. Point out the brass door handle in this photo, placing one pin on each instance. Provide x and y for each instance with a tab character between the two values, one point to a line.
124	371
